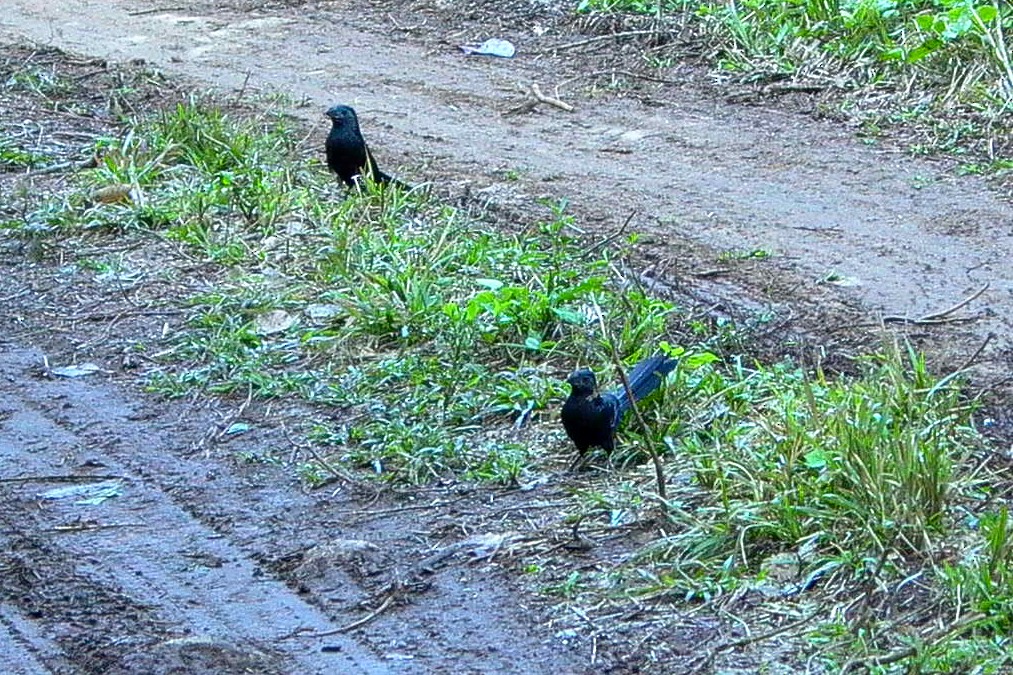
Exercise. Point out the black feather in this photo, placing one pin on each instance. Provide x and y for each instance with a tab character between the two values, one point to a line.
347	152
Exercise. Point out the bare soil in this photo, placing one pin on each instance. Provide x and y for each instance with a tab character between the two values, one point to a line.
208	557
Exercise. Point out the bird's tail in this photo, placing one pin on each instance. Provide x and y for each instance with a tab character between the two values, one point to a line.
645	377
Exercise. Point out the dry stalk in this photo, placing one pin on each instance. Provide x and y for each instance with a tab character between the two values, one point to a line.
659	471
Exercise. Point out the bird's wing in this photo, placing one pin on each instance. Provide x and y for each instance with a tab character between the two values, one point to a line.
613	409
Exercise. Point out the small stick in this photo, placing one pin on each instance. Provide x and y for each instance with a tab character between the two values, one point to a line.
156	10
612	237
308	447
413	507
601	38
613	73
242	89
769	634
793	88
352	626
974	357
69	478
536	91
715	272
659	470
89	163
84	527
959	305
364	620
939	317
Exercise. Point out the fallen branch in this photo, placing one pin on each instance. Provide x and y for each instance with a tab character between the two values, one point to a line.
534	97
942	316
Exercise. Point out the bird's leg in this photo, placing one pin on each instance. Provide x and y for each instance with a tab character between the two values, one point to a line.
579	463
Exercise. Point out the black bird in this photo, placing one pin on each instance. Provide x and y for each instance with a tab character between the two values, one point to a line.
591	419
347	152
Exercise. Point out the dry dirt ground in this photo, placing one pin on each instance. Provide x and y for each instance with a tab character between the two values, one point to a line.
202	562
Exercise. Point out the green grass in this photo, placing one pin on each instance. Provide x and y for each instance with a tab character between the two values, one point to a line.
882	37
13	157
854	484
42	81
426	333
425	345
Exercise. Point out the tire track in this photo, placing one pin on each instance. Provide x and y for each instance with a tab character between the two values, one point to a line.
114	582
23	650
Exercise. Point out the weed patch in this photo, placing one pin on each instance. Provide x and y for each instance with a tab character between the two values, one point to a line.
429	333
946	61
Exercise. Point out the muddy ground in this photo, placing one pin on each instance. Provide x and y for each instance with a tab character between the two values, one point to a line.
206	557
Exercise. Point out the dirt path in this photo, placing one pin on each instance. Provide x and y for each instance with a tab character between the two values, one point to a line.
135	579
198	564
704	177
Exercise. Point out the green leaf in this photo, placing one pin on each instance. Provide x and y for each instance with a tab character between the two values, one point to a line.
925	21
986	13
923	50
816	459
569	316
697	360
452	311
533	342
491	284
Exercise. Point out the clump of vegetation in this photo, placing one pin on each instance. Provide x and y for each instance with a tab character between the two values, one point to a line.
831	496
942	57
869	39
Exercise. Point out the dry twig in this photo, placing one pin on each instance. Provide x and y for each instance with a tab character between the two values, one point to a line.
66	478
941	316
612	237
387	602
534	97
659	470
601	38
